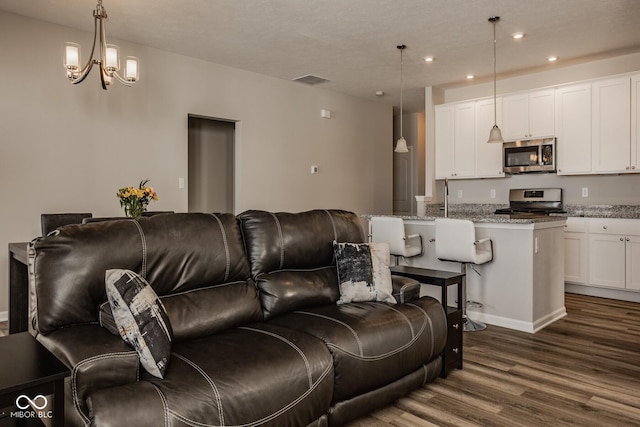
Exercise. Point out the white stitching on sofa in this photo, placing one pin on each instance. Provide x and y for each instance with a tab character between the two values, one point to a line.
209	380
74	389
355	335
288	342
428	319
226	246
333	224
406	318
143	240
165	405
239	282
275	218
266	418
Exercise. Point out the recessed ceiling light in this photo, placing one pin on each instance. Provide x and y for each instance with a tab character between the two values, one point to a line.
517	36
552	58
470	76
429	59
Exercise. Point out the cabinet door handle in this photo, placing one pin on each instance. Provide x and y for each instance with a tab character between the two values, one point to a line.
604	227
456	350
455	326
628	239
633	167
622	239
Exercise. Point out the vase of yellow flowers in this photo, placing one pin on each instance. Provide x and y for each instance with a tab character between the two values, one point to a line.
135	200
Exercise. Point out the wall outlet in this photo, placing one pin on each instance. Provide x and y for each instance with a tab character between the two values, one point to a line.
585	191
459	194
314	169
180	182
493	193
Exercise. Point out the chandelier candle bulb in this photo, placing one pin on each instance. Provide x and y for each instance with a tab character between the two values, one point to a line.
131	69
72	55
112	62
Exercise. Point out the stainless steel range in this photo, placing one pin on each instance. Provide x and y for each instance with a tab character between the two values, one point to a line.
532	202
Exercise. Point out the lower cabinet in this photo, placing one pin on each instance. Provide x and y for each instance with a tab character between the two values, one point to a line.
603	252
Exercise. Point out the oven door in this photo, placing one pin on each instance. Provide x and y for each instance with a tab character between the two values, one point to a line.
529	156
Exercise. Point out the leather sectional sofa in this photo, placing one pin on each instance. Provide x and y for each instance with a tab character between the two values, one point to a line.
258	338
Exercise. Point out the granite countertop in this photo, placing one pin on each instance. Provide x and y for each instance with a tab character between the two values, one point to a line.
484	213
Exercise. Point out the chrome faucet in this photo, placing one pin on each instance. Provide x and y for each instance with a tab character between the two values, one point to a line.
446	197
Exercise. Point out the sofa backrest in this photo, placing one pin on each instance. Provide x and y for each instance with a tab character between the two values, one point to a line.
291	255
175	253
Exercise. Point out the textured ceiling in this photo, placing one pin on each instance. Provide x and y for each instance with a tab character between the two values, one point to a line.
352	43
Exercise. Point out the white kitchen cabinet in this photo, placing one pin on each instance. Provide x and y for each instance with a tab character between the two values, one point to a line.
576	251
635	122
573	129
489	160
611	126
614	253
529	115
455	140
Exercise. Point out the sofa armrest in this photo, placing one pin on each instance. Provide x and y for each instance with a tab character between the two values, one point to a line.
405	289
97	359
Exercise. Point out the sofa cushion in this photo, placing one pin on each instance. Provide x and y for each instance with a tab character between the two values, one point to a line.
260	375
288	290
173	252
190	312
282	241
363	272
373	344
141	319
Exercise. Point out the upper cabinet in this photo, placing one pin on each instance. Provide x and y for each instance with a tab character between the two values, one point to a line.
462	151
611	126
488	156
573	129
529	115
635	122
455	140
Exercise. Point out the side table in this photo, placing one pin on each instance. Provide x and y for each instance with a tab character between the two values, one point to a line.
452	356
29	375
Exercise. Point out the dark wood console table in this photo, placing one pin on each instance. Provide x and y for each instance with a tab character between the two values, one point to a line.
452	356
18	288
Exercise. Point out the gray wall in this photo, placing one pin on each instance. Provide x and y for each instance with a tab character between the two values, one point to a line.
70	147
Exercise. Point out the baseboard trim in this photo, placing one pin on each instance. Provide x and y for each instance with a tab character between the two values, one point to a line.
518	325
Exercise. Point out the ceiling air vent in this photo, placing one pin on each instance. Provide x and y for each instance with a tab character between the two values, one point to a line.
310	79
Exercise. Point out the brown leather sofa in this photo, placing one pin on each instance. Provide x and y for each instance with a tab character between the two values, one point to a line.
257	336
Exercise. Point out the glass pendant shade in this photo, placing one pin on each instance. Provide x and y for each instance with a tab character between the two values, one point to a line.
131	69
112	58
495	135
72	56
401	145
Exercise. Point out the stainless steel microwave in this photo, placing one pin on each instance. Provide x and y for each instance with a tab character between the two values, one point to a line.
534	155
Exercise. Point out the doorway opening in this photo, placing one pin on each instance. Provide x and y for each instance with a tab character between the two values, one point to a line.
211	168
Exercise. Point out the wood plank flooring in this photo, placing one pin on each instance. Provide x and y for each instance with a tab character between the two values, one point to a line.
583	370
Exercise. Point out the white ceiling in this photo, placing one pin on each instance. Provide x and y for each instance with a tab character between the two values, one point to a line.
353	42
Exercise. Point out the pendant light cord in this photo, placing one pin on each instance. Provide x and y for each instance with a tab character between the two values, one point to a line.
401	48
494	20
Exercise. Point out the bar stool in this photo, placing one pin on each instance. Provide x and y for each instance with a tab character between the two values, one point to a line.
391	230
456	242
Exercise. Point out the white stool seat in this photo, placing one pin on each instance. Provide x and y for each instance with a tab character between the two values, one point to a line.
456	242
391	230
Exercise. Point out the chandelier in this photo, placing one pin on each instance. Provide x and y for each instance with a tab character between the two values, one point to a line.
108	60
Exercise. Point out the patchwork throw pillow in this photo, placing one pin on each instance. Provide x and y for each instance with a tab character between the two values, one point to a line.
363	272
141	318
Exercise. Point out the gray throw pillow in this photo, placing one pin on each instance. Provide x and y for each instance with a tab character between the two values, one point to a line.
141	318
363	272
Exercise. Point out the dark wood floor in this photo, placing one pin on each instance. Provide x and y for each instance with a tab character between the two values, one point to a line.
583	370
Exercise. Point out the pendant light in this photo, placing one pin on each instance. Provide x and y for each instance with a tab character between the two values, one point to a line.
401	144
496	134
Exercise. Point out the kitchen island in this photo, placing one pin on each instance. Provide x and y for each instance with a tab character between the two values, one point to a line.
523	287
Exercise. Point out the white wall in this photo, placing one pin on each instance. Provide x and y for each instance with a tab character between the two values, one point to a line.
69	148
603	189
